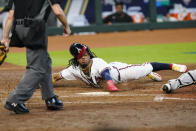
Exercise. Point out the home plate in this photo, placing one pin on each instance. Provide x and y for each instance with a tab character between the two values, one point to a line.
95	93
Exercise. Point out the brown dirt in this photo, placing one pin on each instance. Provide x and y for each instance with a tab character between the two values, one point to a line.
129	38
132	108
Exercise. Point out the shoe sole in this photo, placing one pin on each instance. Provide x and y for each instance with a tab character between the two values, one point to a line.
11	109
54	107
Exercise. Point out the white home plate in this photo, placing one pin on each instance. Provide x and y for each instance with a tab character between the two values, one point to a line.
95	93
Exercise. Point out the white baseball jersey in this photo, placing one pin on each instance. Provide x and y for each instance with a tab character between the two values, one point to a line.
119	72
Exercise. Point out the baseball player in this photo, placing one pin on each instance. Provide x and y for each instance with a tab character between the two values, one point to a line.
91	70
184	80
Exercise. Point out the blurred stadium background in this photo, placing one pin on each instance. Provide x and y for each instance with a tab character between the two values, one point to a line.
87	15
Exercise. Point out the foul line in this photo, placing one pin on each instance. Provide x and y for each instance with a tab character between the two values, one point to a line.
160	98
93	102
156	98
98	95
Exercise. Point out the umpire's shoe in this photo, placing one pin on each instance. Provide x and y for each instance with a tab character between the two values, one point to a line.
17	108
54	103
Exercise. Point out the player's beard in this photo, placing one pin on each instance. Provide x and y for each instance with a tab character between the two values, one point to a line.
83	66
86	65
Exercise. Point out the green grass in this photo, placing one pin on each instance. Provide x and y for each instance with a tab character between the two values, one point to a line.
167	53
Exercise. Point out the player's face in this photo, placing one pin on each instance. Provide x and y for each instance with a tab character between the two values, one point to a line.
84	60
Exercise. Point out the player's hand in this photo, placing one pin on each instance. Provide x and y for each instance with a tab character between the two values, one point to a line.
6	43
67	31
111	86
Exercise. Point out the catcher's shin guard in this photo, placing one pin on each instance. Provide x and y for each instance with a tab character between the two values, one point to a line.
185	79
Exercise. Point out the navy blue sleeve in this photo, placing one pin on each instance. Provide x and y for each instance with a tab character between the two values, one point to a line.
106	75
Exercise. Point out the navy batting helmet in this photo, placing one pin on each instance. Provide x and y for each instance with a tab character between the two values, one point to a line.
77	50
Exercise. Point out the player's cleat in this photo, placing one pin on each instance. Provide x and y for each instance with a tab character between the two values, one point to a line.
54	103
167	88
17	108
179	68
155	76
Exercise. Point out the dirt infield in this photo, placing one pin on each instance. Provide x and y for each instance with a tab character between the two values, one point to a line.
140	105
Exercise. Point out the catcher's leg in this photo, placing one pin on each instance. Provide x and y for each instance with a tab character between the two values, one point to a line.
185	79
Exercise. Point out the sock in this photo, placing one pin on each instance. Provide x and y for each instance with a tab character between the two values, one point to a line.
161	66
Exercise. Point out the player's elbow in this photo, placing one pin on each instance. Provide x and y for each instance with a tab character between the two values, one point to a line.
11	15
57	10
58	13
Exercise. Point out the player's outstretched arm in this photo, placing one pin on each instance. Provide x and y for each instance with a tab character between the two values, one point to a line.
56	77
106	76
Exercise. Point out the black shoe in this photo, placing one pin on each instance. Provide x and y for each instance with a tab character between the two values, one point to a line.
54	103
167	88
17	108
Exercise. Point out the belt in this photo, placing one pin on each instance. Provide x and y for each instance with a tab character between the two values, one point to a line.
23	21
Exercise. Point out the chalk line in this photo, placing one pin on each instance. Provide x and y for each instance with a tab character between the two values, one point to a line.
160	98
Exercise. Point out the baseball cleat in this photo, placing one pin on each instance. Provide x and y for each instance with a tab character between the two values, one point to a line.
179	68
155	76
167	88
17	108
54	103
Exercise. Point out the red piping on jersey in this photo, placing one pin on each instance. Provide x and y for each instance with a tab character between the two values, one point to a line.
81	52
131	66
119	78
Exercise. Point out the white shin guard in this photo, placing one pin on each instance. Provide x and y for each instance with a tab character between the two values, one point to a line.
185	79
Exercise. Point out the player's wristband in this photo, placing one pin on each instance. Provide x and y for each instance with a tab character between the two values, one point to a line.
106	75
53	80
